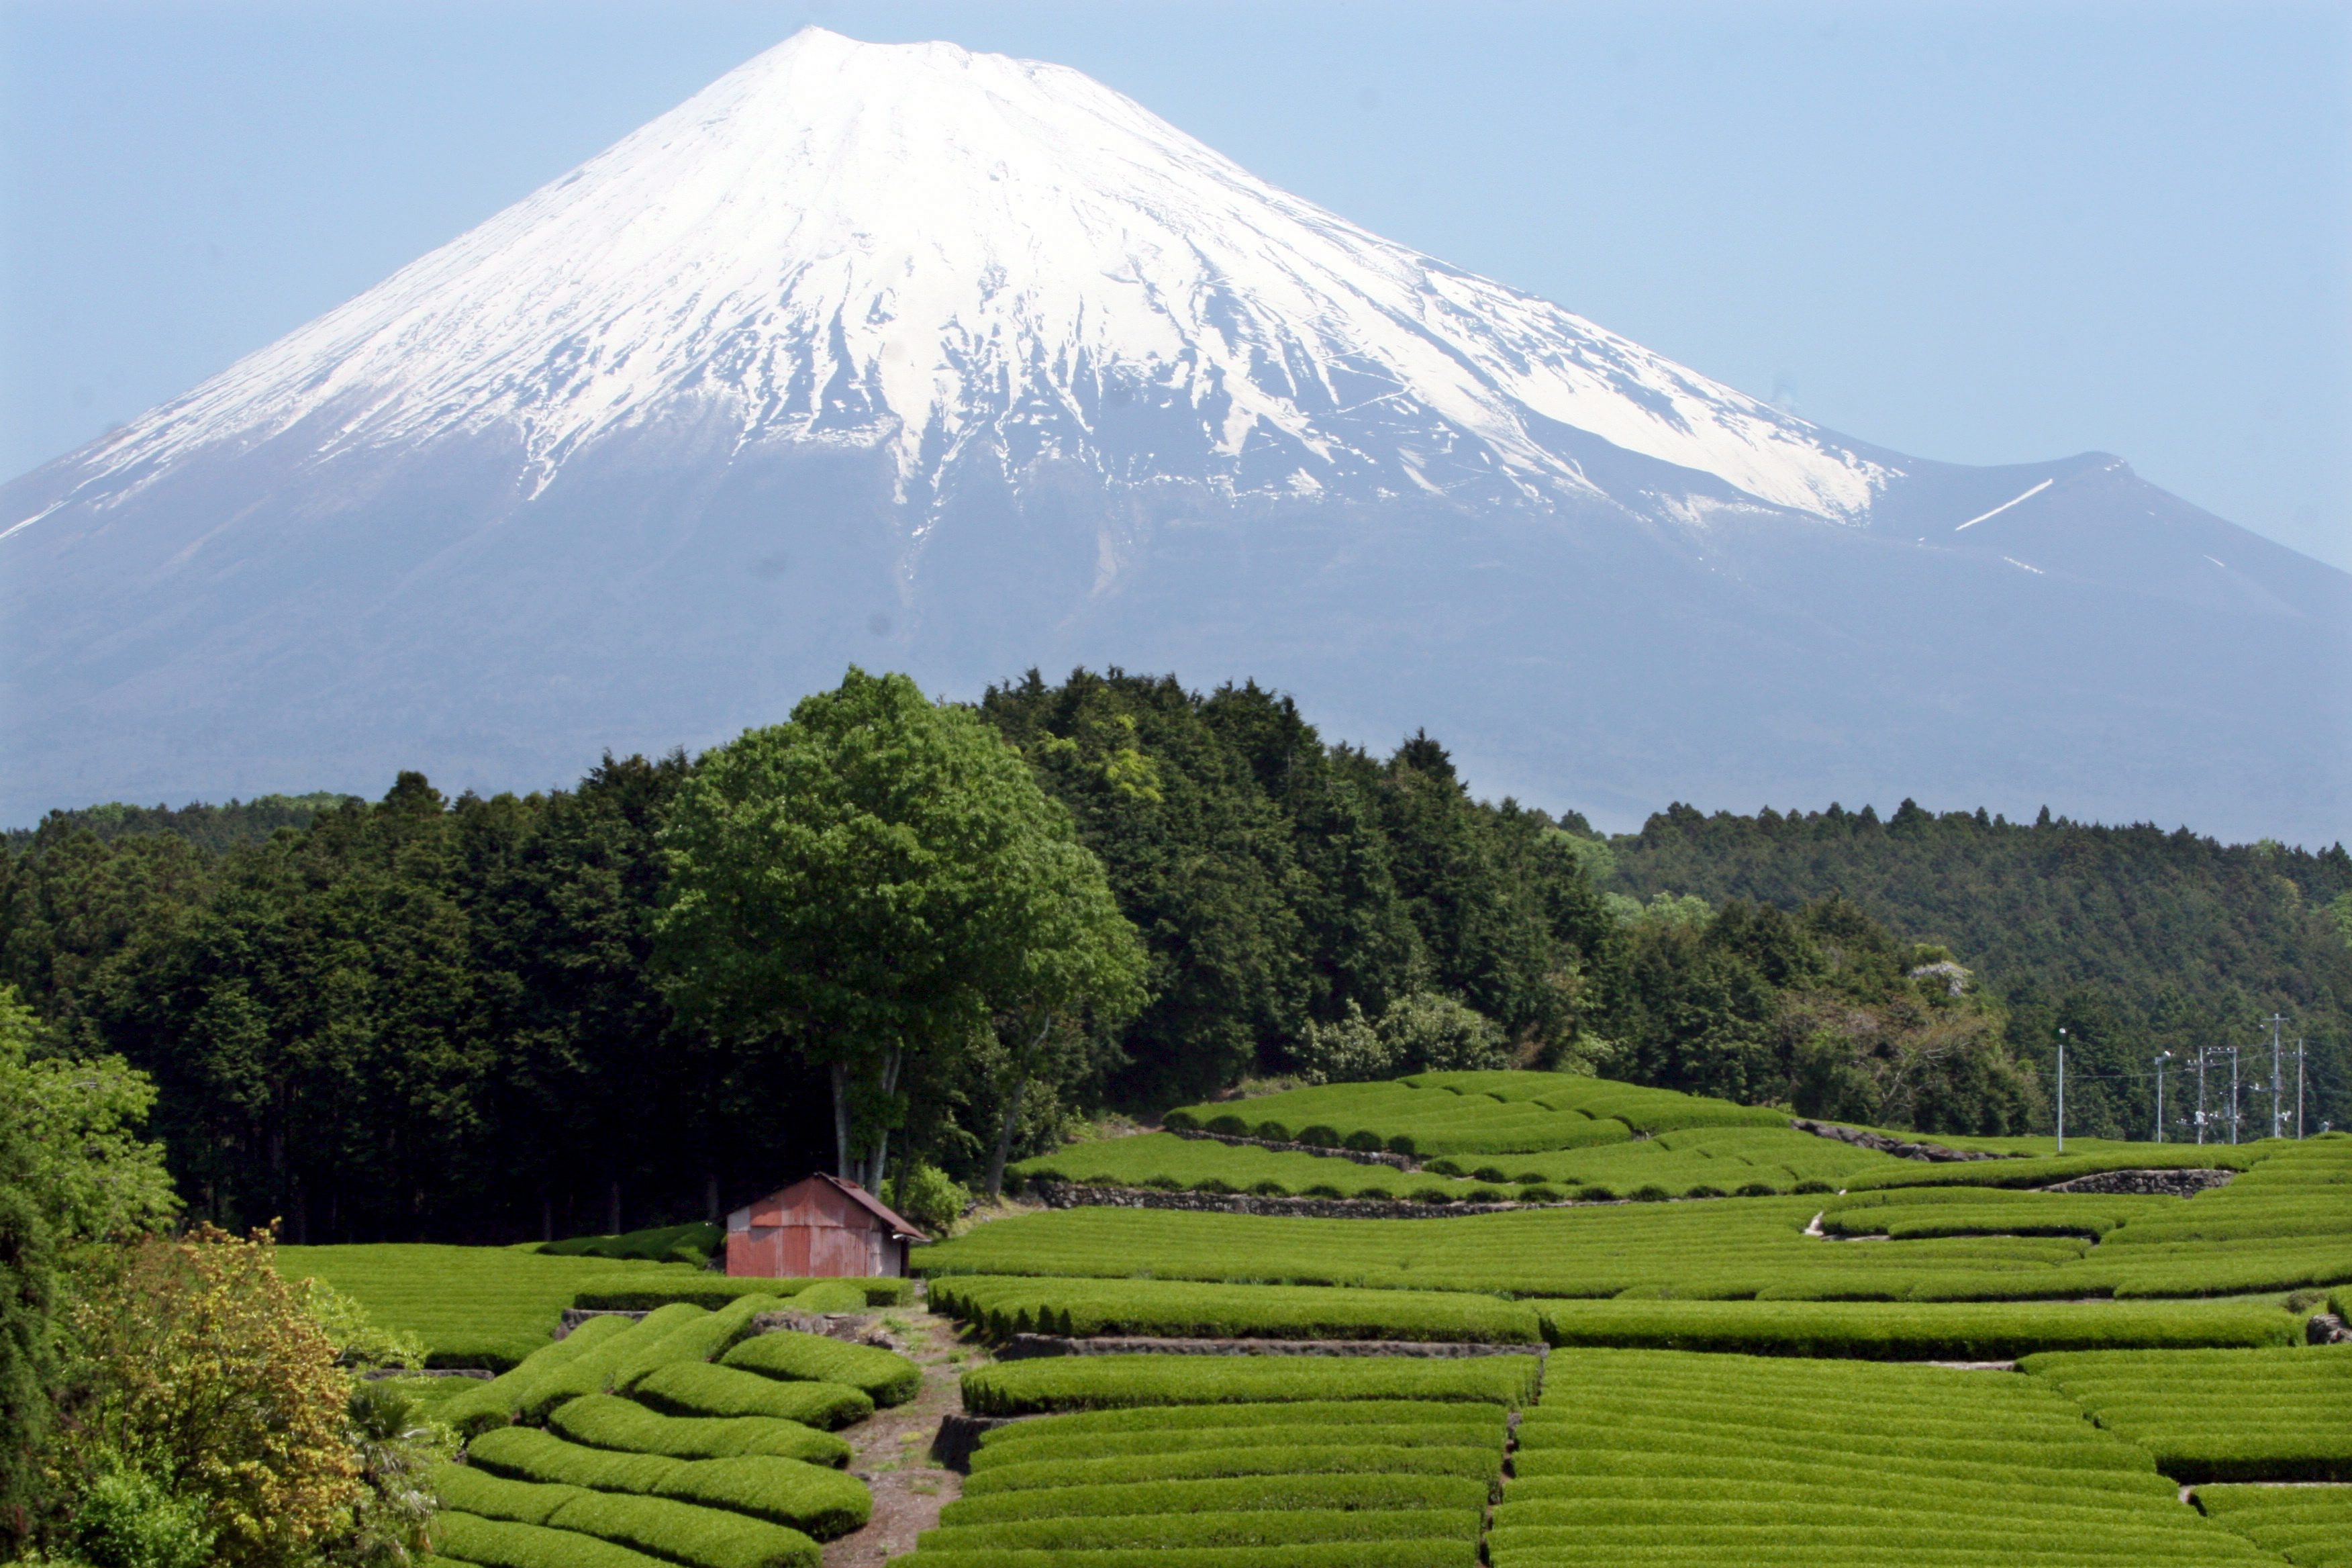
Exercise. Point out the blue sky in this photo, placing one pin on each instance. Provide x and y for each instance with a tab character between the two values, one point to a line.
1982	232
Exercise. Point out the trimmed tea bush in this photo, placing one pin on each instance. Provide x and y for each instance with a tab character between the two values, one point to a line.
2220	1416
1002	1306
1947	1331
694	1388
884	1377
607	1420
1084	1383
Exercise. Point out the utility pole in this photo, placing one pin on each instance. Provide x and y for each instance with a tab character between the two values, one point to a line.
2162	1057
2062	1088
2202	1052
2298	1088
2234	1094
2278	1103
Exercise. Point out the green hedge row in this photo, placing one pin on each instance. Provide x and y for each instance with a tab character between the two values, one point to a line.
2044	1171
495	1403
1084	1383
1329	1555
1190	1439
692	1244
1729	1461
1943	1330
1251	1527
1118	1422
1224	1495
460	1537
2309	1526
681	1332
1006	1305
696	1388
2220	1416
712	1291
1201	1464
883	1377
823	1503
608	1421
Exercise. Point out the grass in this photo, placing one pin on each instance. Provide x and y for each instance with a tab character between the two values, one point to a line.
695	1243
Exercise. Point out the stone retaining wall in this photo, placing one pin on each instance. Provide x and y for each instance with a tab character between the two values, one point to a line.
1361	1156
1070	1195
2183	1183
1901	1148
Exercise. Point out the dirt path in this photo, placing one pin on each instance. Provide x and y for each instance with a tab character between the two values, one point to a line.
892	1449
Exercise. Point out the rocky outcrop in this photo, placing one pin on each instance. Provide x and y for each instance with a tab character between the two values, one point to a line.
1029	1347
2185	1183
1901	1148
2325	1329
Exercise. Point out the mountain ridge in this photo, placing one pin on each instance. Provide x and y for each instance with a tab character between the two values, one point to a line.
905	354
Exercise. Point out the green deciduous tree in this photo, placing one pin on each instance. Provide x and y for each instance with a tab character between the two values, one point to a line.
876	879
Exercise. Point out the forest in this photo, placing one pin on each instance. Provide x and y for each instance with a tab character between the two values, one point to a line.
424	1017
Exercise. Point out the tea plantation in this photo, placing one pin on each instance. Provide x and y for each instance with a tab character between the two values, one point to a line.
1868	1358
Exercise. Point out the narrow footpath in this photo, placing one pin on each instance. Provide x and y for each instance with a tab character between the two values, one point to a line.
891	1449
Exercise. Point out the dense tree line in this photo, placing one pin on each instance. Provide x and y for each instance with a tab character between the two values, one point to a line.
420	1016
2134	940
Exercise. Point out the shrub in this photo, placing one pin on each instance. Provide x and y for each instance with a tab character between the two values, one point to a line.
1650	1192
125	1518
473	1490
1272	1131
1336	1434
1229	1124
692	1388
1431	1195
607	1420
1363	1141
1812	1184
1703	1191
1269	1189
1537	1193
930	1197
1486	1195
1490	1173
200	1359
884	1377
1596	1194
1757	1190
1320	1134
626	1355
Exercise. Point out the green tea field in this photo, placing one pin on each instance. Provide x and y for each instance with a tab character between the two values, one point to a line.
1930	1363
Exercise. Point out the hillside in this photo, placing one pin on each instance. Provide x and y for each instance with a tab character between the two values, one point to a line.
2135	940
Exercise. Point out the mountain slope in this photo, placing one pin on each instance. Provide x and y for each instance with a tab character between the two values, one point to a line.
949	360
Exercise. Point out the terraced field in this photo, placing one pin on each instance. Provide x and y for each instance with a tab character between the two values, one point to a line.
1724	1384
1638	1458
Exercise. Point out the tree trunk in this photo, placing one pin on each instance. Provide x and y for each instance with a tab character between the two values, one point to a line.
843	1165
710	1196
614	1213
1020	1092
877	1161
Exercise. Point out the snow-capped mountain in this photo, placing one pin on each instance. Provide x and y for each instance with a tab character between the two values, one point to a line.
917	356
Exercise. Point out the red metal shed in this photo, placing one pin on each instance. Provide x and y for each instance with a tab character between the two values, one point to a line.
819	1228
